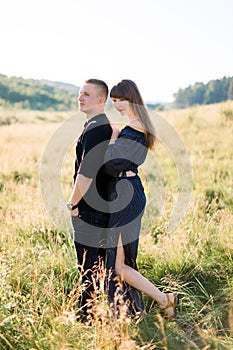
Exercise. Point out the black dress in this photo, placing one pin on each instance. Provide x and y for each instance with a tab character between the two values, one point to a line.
126	205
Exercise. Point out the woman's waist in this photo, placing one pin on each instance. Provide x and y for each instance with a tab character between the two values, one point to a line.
127	173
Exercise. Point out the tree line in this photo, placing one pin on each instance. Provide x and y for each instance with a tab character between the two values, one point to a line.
214	91
47	95
37	94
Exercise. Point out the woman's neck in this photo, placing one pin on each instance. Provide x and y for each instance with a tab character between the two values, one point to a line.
132	117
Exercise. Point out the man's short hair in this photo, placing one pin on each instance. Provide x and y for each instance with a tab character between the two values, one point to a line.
101	84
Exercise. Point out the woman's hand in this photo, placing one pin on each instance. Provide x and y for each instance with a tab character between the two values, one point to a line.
115	133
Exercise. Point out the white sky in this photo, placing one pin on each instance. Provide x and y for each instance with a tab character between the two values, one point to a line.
160	44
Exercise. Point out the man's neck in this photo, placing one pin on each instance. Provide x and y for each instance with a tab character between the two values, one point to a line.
93	114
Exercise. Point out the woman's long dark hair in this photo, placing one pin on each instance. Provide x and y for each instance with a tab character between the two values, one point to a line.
129	91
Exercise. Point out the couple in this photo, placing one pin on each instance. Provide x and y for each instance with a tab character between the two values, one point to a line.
108	200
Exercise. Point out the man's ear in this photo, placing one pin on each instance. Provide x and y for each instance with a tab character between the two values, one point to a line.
102	99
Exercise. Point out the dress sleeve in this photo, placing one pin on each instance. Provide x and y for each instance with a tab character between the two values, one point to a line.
124	154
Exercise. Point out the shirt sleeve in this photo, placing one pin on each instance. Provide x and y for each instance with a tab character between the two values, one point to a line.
124	154
95	142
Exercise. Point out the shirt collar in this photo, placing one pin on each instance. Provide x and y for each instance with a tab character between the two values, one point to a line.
92	119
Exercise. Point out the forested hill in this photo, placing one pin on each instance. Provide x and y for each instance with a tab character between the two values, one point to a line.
214	91
37	94
51	95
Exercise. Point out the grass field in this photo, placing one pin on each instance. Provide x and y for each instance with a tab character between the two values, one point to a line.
39	282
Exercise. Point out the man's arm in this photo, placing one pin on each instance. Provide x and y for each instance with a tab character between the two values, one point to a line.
81	186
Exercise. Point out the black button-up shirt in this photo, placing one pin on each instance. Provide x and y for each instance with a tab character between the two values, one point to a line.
90	152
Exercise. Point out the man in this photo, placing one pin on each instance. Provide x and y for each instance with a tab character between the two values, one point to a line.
89	196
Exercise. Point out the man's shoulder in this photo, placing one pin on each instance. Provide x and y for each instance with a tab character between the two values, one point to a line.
100	120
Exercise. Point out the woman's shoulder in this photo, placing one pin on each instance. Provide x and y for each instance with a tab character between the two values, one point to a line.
131	133
133	129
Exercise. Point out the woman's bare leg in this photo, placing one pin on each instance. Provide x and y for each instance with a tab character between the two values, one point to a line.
135	279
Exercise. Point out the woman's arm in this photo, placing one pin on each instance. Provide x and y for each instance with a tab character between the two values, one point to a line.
115	133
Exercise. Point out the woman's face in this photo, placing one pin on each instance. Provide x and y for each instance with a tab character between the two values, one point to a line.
122	106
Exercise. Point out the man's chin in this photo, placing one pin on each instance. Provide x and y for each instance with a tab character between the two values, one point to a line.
83	109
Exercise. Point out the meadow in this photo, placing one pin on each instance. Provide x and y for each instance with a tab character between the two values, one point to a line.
39	281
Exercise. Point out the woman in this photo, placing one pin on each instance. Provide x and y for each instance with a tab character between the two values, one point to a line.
126	151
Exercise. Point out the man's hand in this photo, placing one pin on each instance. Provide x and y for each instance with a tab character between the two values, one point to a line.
75	212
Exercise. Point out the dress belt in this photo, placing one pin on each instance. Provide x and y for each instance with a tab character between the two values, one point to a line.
128	173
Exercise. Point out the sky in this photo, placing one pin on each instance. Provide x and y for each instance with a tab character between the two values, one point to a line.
162	45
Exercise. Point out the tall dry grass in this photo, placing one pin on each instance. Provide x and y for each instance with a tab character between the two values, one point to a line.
39	281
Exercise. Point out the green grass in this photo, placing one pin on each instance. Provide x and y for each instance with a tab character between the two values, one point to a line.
39	282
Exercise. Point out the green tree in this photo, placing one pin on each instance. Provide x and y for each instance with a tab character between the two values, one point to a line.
230	90
36	94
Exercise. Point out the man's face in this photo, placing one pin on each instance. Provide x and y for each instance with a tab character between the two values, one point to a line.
89	97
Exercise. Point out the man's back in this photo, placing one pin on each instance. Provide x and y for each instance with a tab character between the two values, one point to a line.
90	151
